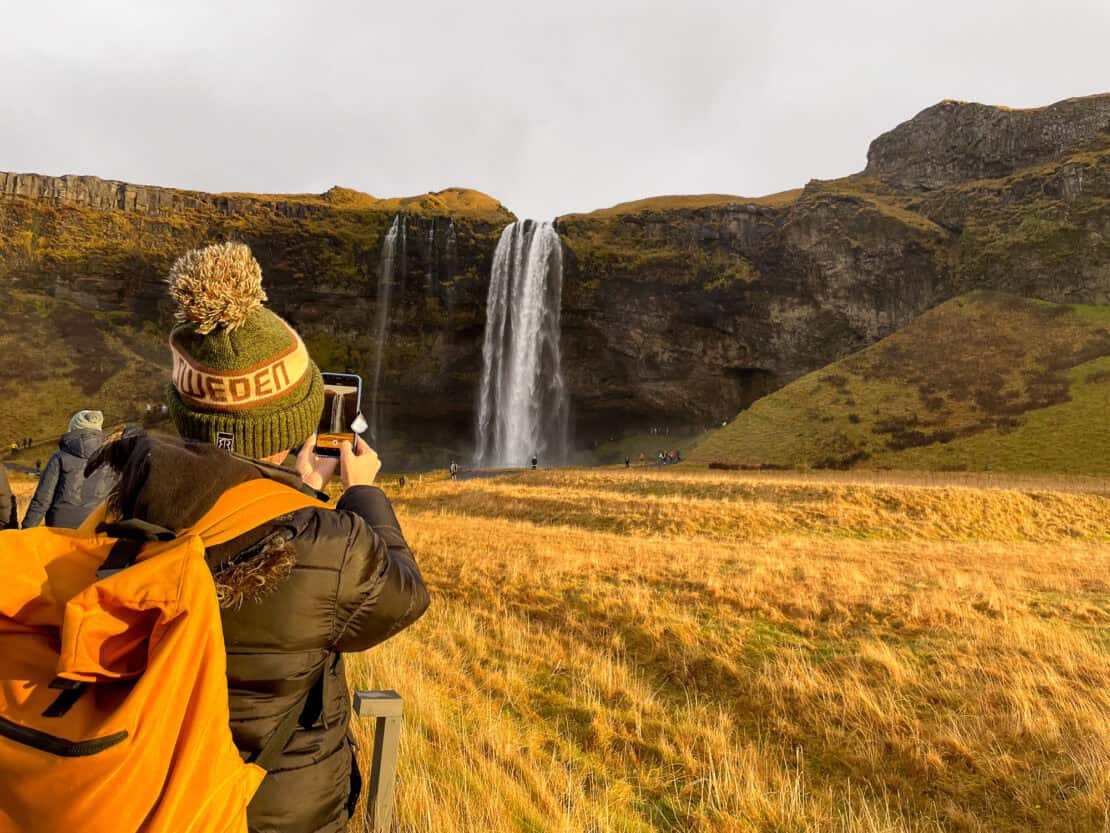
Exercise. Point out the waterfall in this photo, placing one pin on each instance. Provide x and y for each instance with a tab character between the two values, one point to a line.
451	261
522	405
387	274
431	276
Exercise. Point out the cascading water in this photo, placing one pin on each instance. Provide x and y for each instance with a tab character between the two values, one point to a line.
387	274
522	404
431	274
451	262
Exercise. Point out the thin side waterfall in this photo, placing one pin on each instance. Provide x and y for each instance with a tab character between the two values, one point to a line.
451	260
522	399
387	275
431	276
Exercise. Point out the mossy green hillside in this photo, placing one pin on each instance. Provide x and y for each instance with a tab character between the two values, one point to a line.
984	381
59	358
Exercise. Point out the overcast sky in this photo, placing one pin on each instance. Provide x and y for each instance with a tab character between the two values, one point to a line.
551	107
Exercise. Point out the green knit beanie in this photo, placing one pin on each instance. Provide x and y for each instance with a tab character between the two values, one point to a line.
242	377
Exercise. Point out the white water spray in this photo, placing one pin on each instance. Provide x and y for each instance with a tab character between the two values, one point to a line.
522	404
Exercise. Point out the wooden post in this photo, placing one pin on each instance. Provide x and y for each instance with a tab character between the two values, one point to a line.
385	707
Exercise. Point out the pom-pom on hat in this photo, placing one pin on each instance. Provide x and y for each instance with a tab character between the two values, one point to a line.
242	377
219	285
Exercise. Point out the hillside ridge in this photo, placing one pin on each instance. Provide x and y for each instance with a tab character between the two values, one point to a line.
111	194
956	141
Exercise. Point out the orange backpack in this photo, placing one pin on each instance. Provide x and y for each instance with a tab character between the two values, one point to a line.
113	687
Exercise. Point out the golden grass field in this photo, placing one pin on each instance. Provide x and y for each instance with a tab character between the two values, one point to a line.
613	650
681	650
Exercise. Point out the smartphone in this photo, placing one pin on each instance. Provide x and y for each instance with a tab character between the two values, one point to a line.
342	412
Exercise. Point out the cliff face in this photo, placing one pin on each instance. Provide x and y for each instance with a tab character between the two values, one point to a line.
681	310
680	316
676	310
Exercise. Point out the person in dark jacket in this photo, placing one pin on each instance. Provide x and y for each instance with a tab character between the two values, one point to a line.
296	593
8	513
64	496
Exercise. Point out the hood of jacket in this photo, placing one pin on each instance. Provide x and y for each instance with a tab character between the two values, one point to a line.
172	483
83	443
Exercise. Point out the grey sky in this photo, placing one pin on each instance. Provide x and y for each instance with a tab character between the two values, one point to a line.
551	107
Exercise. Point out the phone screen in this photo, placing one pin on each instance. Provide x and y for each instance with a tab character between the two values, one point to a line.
342	412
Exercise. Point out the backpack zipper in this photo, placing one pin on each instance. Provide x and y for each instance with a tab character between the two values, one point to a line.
56	745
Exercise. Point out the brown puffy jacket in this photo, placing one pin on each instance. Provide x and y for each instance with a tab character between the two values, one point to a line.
297	593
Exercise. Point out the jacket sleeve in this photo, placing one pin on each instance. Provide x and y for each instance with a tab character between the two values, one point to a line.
381	590
8	519
44	493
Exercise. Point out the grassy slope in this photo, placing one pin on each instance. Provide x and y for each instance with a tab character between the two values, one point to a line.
984	380
450	201
686	201
59	358
684	651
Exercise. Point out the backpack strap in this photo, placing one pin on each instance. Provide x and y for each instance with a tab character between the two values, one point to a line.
247	506
239	510
130	535
271	750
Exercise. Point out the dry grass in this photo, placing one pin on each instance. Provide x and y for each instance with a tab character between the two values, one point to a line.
680	650
683	650
782	199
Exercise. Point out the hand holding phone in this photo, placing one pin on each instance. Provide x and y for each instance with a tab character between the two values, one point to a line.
316	470
359	464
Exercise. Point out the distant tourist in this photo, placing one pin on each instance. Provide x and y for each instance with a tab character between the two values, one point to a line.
627	462
454	469
535	461
641	458
401	482
65	497
8	517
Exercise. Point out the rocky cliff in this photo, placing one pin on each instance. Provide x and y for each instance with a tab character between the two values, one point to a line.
684	309
677	310
956	141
